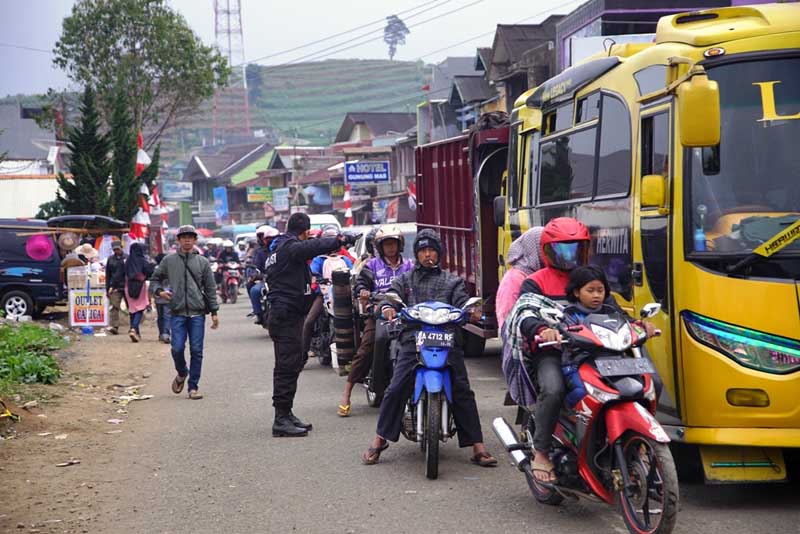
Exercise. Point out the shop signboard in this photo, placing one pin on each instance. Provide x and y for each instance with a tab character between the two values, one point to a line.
257	194
221	215
280	199
176	191
372	172
88	307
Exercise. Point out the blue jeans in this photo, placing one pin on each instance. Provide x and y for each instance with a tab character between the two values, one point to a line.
164	319
136	320
194	329
255	298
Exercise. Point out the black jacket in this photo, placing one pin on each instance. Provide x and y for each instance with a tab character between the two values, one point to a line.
115	272
287	274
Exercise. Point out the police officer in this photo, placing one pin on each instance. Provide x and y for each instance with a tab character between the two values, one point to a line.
289	280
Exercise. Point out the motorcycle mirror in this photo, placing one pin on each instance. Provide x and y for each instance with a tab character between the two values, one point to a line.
551	315
650	309
472	302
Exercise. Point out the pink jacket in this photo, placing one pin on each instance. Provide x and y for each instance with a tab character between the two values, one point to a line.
508	293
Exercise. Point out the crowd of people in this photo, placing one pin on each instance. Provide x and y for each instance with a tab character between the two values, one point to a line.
551	261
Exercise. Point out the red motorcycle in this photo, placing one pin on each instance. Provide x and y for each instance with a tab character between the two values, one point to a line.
608	446
231	279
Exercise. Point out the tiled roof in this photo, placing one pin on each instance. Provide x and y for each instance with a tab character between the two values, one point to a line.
471	89
379	123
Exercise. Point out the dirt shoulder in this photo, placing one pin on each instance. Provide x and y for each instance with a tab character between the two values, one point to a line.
79	421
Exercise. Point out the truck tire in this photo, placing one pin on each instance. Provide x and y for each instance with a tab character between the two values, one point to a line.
17	303
473	345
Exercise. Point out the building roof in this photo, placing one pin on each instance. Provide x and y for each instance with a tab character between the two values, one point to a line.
483	58
231	161
467	89
443	73
511	41
378	123
22	138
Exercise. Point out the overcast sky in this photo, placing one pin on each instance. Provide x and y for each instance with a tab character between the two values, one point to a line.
271	27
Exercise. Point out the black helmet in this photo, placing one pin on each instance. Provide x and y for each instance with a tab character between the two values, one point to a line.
370	240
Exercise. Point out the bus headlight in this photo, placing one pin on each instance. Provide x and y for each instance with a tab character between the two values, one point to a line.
751	348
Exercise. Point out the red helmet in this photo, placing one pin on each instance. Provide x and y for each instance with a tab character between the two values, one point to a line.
565	243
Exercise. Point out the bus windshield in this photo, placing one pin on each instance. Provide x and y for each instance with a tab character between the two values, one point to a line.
747	189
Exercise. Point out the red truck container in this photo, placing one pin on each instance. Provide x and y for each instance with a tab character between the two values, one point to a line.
457	180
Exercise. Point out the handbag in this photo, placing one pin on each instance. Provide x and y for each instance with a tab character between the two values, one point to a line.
197	283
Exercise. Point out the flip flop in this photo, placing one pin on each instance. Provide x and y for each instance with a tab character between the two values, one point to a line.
373	454
484	459
177	384
343	411
538	467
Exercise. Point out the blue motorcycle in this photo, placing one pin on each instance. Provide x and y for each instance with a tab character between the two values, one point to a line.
428	418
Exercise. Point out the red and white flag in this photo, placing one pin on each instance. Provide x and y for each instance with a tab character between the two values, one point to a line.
411	188
142	159
348	211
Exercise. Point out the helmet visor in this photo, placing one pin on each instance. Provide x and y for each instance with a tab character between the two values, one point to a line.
567	255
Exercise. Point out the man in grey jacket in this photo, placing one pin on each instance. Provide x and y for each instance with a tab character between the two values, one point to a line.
192	294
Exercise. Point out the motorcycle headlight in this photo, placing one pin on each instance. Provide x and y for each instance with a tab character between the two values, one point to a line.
414	313
431	316
454	315
600	394
753	349
620	340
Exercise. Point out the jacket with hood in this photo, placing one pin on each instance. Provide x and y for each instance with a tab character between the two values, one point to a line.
115	272
182	273
287	274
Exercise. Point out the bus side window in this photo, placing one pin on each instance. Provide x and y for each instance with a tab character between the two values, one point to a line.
614	165
533	167
655	145
655	160
512	183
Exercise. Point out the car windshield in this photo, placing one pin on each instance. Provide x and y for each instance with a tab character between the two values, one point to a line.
745	190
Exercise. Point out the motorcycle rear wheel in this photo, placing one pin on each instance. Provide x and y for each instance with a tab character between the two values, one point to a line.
433	429
234	293
652	469
541	493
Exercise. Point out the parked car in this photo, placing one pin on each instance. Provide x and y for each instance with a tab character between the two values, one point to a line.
319	220
28	285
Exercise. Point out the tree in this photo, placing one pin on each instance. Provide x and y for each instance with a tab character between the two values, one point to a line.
87	192
394	33
54	208
125	185
145	48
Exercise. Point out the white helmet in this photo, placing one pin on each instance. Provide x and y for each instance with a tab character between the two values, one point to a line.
267	231
227	243
389	231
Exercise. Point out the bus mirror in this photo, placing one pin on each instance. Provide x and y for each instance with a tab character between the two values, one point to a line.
653	191
698	107
499	211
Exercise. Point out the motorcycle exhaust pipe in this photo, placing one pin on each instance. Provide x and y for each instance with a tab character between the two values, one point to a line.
508	438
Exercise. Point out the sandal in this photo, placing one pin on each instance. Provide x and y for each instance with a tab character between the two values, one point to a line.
344	410
484	459
373	454
541	467
177	384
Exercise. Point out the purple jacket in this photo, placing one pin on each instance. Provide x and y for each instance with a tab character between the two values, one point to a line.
377	276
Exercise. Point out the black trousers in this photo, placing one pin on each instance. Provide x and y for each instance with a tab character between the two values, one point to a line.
465	410
286	331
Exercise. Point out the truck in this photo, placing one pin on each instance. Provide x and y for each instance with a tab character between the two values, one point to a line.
457	181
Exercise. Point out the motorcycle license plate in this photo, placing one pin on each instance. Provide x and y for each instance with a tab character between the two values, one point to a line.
435	339
624	366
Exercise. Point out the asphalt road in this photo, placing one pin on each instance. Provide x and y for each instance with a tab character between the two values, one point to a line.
212	466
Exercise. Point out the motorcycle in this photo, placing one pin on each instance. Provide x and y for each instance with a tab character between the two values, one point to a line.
231	279
384	356
428	418
608	445
322	333
264	307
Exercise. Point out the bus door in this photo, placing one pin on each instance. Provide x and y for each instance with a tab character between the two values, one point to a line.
651	267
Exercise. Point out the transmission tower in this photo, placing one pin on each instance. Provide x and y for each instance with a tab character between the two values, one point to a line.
231	113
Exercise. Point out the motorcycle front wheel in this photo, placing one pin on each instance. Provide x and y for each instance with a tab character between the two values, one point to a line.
433	430
233	290
652	506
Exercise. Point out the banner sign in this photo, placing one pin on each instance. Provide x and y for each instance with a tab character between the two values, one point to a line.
88	308
280	199
257	194
176	191
221	215
366	171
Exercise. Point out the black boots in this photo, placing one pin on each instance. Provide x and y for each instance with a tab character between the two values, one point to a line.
289	426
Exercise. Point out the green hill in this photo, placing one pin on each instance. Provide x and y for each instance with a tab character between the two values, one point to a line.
309	100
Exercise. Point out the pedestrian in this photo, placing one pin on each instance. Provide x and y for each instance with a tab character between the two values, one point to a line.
428	282
115	284
137	271
289	280
163	315
191	295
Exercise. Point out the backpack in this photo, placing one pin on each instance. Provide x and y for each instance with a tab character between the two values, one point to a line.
331	264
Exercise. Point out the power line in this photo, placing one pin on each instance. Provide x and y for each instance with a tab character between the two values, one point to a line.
21	47
282	52
298	60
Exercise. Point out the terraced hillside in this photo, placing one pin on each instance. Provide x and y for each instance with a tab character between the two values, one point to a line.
309	100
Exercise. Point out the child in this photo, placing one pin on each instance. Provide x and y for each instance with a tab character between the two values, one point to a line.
162	309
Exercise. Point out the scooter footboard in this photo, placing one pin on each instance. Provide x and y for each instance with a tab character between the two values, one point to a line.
632	416
433	380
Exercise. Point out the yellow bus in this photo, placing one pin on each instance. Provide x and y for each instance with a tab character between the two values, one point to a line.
682	157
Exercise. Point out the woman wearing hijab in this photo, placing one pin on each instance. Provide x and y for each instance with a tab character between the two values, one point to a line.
523	259
137	271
